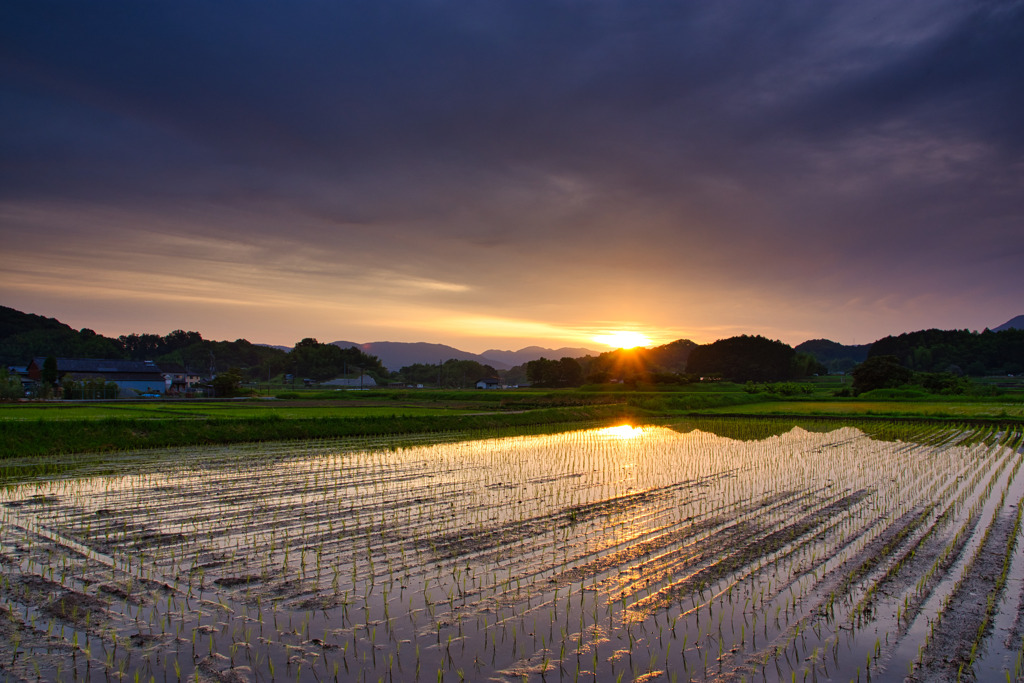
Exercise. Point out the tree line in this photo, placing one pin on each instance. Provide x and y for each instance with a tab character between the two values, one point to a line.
939	361
451	374
960	352
24	336
935	355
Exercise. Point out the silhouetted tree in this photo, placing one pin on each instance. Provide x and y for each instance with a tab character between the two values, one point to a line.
10	386
228	383
566	372
954	351
743	359
806	365
310	358
49	371
880	372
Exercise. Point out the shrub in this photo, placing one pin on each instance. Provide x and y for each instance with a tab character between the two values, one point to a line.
900	394
778	388
10	387
879	372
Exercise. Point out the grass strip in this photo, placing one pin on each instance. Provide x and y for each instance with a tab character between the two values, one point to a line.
45	437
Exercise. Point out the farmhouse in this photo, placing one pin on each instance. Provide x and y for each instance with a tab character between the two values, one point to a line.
490	383
361	382
178	379
21	372
133	377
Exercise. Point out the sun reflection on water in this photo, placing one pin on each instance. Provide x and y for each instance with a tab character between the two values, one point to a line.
624	431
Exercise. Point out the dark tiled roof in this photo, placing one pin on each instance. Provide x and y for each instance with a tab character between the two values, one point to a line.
119	376
102	366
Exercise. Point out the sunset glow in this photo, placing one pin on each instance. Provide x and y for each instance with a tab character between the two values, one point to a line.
623	339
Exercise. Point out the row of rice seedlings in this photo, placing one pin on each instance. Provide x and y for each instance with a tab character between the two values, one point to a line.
815	577
873	605
136	616
993	602
972	558
548	493
1002	654
84	629
925	602
810	583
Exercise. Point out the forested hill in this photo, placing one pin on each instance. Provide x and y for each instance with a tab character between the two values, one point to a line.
960	351
835	356
24	336
395	355
525	355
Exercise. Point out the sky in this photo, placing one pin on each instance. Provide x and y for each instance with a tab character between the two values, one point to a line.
502	173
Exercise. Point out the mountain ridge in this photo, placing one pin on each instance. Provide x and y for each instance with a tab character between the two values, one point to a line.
25	334
528	353
396	355
1016	323
833	355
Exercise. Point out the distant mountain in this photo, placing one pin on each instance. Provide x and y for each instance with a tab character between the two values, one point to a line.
397	355
525	355
833	355
1015	324
286	349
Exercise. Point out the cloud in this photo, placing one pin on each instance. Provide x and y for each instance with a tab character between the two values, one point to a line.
560	161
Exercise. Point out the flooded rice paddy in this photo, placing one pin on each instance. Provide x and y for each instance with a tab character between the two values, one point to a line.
726	550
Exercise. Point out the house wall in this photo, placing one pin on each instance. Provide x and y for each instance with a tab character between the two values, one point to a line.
129	388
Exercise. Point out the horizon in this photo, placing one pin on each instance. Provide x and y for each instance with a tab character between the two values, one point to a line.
481	352
514	174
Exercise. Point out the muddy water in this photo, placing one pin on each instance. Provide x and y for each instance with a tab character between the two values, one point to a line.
610	554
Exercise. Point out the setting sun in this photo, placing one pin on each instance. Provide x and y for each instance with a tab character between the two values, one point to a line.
623	339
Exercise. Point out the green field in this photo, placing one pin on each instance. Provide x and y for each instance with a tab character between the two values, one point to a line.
923	409
31	429
211	409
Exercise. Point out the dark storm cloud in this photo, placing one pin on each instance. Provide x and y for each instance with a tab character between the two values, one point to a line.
851	138
328	88
964	76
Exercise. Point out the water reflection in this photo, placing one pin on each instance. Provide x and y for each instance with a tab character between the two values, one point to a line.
616	553
623	431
